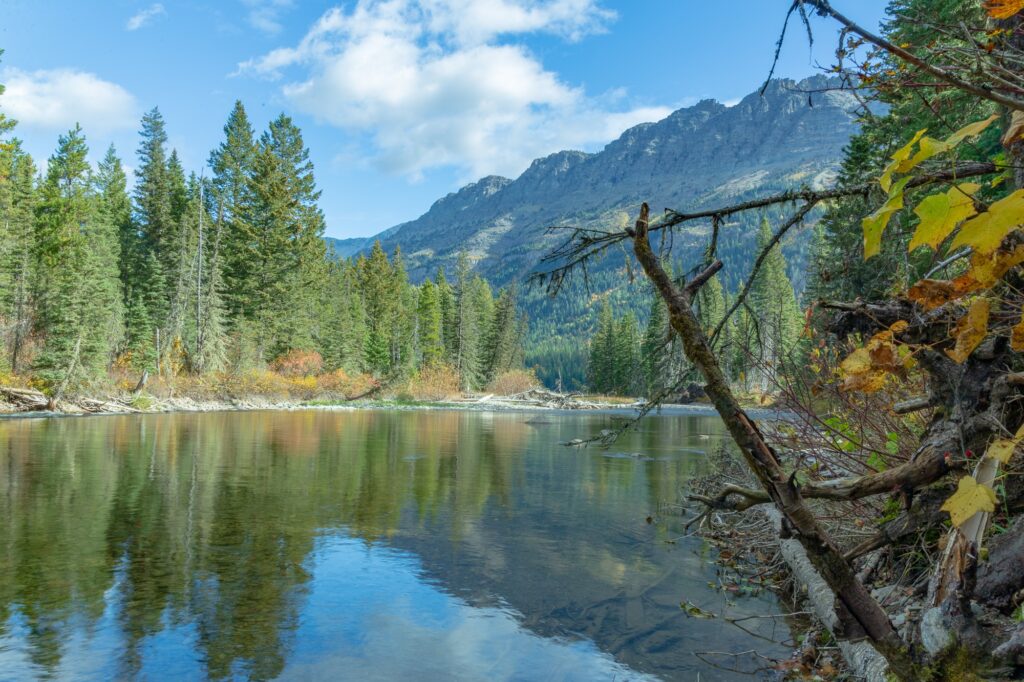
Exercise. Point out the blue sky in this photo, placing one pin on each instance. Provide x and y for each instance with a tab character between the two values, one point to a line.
400	101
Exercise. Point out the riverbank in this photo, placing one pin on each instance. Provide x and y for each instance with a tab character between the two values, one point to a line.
30	402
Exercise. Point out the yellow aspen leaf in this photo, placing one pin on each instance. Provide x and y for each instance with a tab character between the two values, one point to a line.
901	155
868	382
875	223
970	498
986	231
940	214
857	362
926	149
1003	9
866	369
987	269
1017	337
970	330
1001	450
1015	130
898	326
1019	436
970	130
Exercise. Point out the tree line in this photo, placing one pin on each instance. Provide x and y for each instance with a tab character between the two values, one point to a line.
183	273
754	344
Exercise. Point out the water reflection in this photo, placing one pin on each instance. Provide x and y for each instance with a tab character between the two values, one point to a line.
370	544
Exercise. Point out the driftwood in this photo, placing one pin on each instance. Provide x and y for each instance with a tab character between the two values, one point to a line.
540	397
30	400
25	399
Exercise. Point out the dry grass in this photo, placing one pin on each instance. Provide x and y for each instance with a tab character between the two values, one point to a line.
435	382
513	382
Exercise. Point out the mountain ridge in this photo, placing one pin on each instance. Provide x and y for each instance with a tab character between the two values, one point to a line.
706	153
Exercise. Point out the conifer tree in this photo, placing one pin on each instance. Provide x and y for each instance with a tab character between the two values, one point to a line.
428	328
626	356
467	325
773	300
449	329
655	349
76	272
17	206
233	164
504	341
601	367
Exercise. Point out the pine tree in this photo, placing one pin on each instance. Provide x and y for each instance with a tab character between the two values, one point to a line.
233	164
76	272
449	328
403	318
17	207
428	325
626	354
601	367
504	341
467	325
656	349
773	299
154	219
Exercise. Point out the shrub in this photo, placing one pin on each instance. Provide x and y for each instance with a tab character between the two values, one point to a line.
298	363
512	382
433	382
341	384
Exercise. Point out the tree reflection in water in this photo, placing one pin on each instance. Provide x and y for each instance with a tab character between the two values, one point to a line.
246	545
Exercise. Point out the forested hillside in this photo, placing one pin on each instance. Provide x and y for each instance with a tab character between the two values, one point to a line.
188	275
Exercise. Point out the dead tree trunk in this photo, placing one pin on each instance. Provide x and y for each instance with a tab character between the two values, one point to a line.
858	615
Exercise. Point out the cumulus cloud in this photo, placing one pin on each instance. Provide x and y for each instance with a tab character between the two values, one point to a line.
144	17
265	15
443	82
54	100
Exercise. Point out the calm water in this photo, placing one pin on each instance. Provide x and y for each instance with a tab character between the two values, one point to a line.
367	545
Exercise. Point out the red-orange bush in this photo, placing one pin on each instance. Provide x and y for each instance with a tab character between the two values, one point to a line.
298	363
341	384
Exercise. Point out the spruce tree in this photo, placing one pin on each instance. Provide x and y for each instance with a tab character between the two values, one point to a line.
17	207
233	164
428	325
76	272
155	223
467	325
773	300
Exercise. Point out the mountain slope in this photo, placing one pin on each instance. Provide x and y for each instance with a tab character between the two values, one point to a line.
698	156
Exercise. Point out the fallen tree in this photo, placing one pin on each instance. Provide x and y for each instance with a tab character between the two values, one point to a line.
959	338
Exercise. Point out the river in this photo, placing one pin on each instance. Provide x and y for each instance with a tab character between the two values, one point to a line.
364	545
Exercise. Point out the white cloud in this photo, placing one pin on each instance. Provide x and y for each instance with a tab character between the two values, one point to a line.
439	82
54	100
144	17
265	15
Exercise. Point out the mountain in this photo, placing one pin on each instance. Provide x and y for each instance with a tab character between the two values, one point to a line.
701	156
343	248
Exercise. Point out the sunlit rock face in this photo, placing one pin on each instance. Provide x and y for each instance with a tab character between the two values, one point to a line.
702	155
